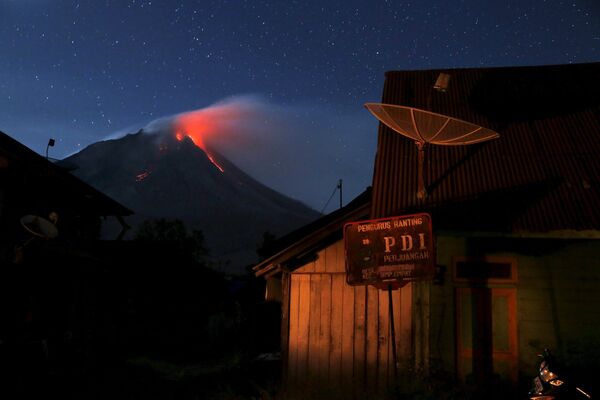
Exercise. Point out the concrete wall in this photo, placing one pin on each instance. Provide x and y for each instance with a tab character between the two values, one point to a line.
557	301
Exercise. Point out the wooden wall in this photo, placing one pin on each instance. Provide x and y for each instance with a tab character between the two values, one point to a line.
338	342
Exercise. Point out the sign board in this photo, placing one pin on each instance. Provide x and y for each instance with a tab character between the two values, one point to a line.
389	250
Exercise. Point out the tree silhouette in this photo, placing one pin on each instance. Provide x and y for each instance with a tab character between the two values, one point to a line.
174	232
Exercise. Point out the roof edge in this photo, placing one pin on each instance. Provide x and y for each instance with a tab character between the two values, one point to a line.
41	161
556	234
308	239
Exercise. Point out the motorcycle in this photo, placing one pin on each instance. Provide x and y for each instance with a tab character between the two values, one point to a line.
551	384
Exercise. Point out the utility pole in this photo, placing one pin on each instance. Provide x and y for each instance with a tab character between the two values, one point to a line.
339	186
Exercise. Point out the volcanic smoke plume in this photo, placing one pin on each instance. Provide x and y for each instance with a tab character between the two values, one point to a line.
229	126
298	150
222	122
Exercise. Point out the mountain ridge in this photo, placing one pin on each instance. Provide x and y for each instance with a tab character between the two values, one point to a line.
163	176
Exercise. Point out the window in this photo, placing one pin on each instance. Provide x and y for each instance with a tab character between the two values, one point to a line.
485	270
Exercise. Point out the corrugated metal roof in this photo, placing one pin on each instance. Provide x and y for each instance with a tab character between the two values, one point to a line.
542	174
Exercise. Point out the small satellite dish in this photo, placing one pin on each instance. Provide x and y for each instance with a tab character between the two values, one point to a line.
39	226
426	127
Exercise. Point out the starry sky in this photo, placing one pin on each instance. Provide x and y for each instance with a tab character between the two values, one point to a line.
82	71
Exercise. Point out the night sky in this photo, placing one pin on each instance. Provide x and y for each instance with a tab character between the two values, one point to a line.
82	71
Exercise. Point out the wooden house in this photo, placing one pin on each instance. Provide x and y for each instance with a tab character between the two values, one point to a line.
517	228
54	296
32	185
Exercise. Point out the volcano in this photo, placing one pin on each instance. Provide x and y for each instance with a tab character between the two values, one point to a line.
170	176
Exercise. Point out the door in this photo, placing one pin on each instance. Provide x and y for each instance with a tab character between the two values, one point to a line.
486	322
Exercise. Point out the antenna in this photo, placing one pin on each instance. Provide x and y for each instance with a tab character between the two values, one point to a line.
426	127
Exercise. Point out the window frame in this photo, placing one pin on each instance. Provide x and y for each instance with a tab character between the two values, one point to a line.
513	279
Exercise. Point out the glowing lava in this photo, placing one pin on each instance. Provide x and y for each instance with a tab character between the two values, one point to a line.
140	177
179	136
197	125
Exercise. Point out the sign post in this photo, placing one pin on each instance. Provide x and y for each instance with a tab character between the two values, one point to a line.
392	331
388	253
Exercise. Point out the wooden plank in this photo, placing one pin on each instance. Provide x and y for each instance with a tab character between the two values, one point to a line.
320	262
320	273
426	317
330	257
347	340
336	333
405	331
360	293
336	261
372	322
401	358
325	330
306	268
417	335
292	370
313	332
383	352
303	330
420	333
285	326
341	256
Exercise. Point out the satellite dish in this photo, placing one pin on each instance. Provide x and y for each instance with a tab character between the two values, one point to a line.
426	127
39	226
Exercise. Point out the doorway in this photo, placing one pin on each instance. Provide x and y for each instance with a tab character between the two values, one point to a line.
486	319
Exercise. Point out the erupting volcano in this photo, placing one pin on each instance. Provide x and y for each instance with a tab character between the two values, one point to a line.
174	173
181	136
197	125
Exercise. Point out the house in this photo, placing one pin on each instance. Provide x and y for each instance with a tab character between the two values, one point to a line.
32	185
54	302
517	229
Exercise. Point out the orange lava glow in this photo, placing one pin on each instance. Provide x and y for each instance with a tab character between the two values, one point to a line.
140	177
201	124
216	164
179	136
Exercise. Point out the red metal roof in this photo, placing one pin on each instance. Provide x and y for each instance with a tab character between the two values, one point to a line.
541	175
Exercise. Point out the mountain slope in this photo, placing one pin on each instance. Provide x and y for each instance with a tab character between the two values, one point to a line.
161	176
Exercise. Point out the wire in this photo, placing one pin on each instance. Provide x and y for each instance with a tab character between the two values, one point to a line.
330	197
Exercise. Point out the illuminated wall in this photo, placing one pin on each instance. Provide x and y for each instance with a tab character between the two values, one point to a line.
338	335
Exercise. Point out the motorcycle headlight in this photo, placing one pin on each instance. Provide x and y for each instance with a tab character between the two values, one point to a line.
556	382
547	375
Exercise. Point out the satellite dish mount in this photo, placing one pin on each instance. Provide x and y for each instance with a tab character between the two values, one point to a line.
421	192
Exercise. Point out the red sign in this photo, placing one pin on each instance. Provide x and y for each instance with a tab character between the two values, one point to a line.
389	250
